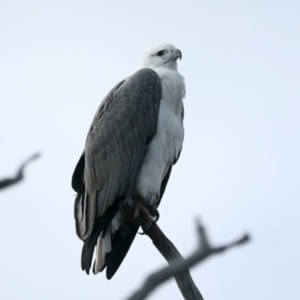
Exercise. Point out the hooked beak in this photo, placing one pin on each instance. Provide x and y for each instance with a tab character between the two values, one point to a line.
176	54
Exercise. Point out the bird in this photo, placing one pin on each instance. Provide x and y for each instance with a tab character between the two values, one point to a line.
134	140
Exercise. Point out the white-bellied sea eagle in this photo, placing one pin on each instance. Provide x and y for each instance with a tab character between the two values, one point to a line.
134	140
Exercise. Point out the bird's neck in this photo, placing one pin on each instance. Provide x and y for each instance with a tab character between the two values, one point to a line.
171	66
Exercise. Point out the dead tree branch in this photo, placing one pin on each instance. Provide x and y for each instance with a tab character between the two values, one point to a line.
20	173
178	266
184	280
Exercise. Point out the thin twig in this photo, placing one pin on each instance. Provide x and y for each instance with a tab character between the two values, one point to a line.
20	173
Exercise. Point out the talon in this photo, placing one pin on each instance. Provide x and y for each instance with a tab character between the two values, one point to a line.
154	213
157	216
149	213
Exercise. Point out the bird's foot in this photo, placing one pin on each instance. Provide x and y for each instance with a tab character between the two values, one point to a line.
149	213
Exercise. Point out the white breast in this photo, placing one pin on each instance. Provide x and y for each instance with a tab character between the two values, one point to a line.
161	153
167	141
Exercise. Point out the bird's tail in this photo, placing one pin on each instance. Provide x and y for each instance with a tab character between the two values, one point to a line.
118	248
101	226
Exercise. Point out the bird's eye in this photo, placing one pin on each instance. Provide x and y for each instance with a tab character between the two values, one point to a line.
160	53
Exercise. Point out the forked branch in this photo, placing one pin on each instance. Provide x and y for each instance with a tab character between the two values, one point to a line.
178	267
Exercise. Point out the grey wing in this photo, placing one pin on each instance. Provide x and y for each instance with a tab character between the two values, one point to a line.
115	147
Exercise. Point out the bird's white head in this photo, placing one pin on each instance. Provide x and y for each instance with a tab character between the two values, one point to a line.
163	56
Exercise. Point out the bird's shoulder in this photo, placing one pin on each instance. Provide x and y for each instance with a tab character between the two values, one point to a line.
135	94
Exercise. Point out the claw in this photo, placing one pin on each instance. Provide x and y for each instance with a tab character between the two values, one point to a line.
154	213
149	213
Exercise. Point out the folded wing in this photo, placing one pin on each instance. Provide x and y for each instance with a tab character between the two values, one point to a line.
115	147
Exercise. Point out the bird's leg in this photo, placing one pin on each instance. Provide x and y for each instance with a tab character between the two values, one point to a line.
149	212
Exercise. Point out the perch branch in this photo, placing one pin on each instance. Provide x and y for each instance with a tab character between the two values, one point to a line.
178	266
184	280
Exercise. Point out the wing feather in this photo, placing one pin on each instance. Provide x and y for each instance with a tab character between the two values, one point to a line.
115	147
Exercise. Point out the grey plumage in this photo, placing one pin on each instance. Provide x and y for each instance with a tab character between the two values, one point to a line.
123	125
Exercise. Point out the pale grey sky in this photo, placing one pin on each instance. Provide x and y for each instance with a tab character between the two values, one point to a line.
239	169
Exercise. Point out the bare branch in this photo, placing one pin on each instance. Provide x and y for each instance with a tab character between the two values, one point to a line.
20	173
184	280
178	267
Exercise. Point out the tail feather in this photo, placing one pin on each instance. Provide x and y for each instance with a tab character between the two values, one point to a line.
120	247
88	247
101	223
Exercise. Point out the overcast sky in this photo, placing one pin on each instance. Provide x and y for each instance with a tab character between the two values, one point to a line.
239	169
